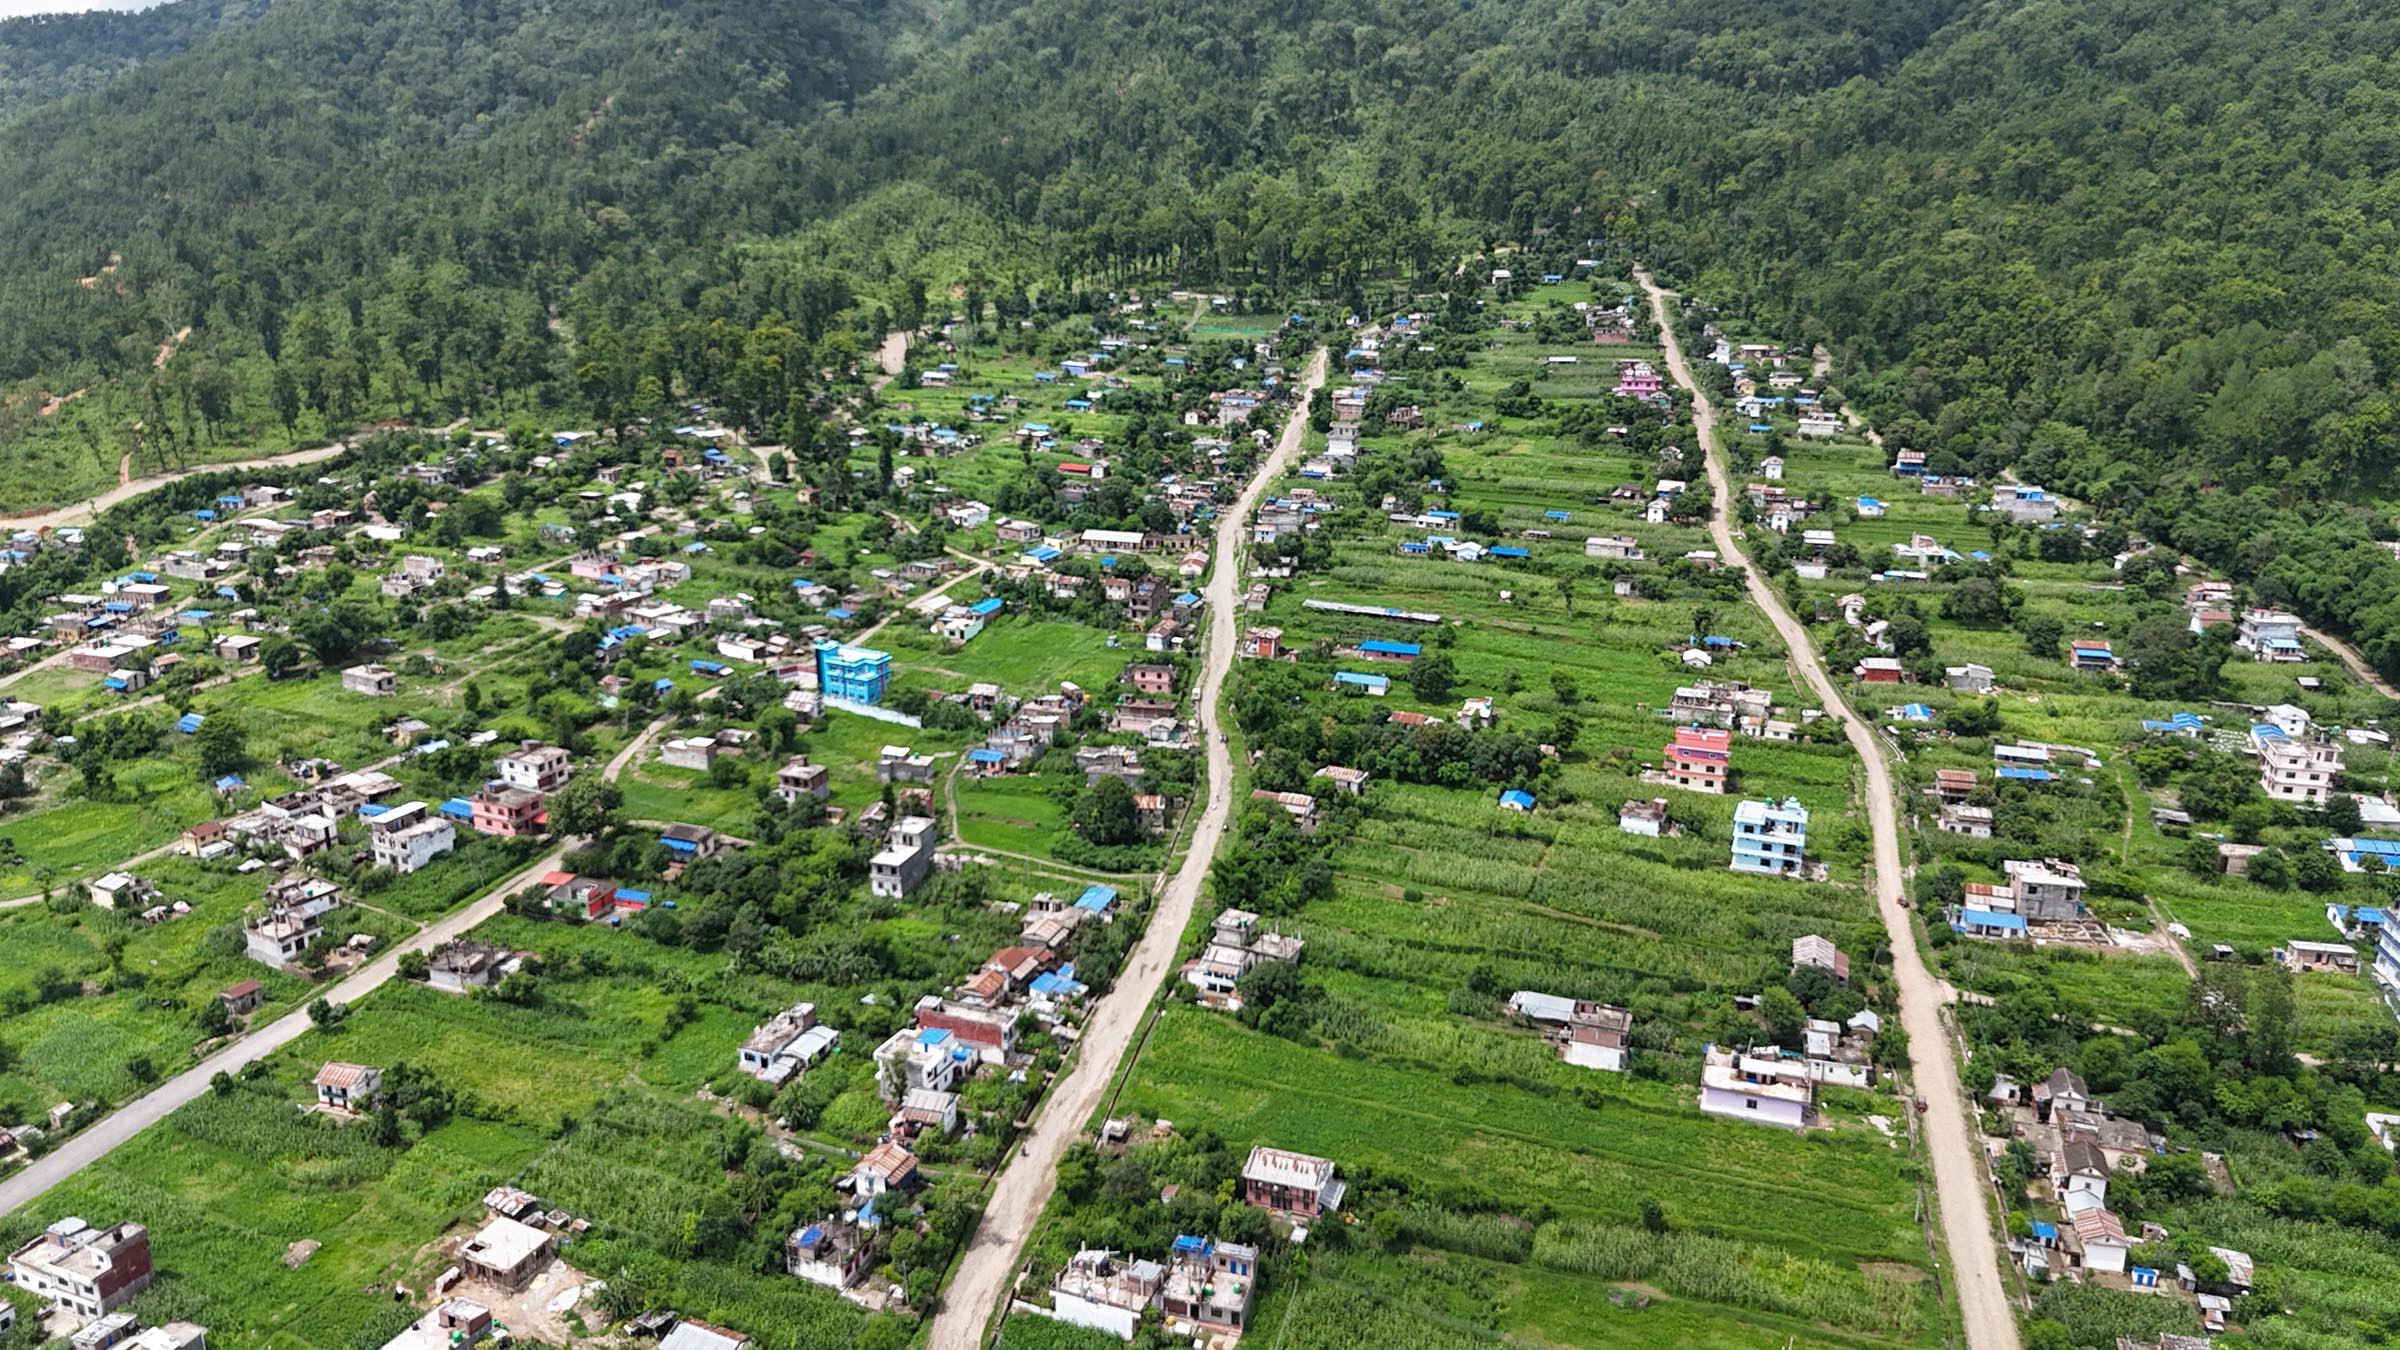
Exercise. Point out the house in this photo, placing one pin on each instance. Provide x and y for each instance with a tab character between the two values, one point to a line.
922	1059
907	856
1698	759
691	1334
2296	770
508	812
694	752
888	1166
1770	839
242	997
88	1271
798	778
1741	1087
1350	782
1819	951
827	1252
1104	1293
238	648
1295	1185
457	1324
1150	679
2063	1092
505	1253
1209	1286
2079	1168
1880	670
855	674
350	1088
2044	891
2303	956
536	767
461	965
1236	946
1973	822
900	764
121	891
370	679
279	937
785	1044
1618	548
1647	818
690	843
2024	503
2101	1236
1301	807
2270	635
405	838
1969	678
2091	654
1953	785
1589	1035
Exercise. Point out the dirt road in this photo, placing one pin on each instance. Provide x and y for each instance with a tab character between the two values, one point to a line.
2350	657
84	511
1958	1166
997	1248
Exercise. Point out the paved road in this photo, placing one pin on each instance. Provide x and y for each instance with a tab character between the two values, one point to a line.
140	1114
997	1248
1958	1166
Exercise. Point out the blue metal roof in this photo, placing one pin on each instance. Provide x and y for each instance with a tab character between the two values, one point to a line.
1097	898
1517	797
1386	647
1985	918
1508	552
189	723
988	606
1362	680
986	756
2025	775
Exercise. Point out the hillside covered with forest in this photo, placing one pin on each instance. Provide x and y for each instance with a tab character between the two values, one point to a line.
2136	249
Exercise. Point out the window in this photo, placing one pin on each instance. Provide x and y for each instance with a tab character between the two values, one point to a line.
1751	1102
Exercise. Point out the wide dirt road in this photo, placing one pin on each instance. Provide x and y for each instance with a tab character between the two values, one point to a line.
997	1248
83	512
1958	1166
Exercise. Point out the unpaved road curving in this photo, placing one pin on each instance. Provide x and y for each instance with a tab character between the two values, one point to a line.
1024	1185
82	513
1958	1166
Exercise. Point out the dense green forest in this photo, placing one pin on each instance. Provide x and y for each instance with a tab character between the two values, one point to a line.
47	56
2138	249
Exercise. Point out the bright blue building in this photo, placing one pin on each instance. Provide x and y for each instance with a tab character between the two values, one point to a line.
854	673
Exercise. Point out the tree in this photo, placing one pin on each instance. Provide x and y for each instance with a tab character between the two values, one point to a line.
222	750
1782	1013
278	655
587	805
2042	634
1105	813
1431	676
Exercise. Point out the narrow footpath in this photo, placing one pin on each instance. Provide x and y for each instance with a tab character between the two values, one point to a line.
990	1266
1958	1167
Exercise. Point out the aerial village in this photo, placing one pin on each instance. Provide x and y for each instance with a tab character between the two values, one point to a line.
678	863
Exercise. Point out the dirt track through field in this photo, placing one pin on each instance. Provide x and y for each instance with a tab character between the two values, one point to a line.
1958	1166
997	1248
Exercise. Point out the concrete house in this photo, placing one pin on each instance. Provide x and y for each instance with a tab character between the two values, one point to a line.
1743	1087
536	767
786	1044
371	679
905	860
1769	838
90	1272
798	778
